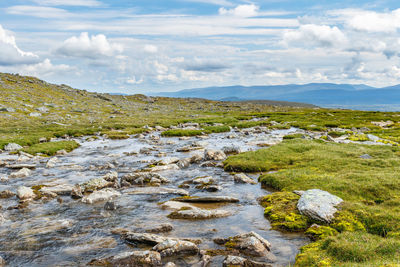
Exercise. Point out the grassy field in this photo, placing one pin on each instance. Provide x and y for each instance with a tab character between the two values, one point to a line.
369	187
366	230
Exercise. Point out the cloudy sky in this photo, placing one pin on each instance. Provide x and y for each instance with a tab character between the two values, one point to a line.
166	45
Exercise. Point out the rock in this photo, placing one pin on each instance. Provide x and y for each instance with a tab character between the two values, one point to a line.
198	214
61	190
217	155
157	191
95	184
207	199
250	244
167	161
164	168
183	163
169	264
61	152
6	194
172	247
143	238
23	173
52	162
110	205
35	114
111	176
21	166
101	195
76	192
43	109
197	158
24	193
203	180
42	140
232	149
212	188
243	178
365	156
131	258
162	228
209	164
188	148
318	205
236	261
2	262
12	147
176	205
143	178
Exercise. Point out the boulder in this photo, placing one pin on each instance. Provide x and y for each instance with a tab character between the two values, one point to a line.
217	155
25	193
12	147
22	173
105	194
318	205
76	192
172	247
250	244
243	178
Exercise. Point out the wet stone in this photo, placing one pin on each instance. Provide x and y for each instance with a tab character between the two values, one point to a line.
131	258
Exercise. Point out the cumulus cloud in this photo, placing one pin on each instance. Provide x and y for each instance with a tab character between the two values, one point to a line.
44	69
92	47
152	49
311	34
241	11
370	21
133	80
10	54
87	3
38	11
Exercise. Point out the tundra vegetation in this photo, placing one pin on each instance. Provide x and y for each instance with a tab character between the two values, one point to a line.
366	228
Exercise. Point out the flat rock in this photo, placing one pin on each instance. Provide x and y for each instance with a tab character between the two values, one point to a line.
176	205
207	199
22	173
157	191
164	168
24	193
131	258
21	166
105	194
318	205
51	163
143	178
62	189
162	228
198	214
243	178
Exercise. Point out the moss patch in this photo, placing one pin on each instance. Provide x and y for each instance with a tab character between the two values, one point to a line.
51	148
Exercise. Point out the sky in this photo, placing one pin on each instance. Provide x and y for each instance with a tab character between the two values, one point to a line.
143	46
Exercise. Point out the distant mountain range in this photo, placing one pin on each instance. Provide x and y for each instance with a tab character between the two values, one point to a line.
321	94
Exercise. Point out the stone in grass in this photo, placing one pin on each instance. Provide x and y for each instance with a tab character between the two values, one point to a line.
12	147
365	156
318	205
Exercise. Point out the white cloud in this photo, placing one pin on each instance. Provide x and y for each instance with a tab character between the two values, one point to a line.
213	2
240	11
10	54
133	80
311	34
370	21
38	11
152	49
44	69
93	47
87	3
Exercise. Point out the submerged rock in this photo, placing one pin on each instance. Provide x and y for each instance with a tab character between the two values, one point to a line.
101	195
243	178
131	258
318	205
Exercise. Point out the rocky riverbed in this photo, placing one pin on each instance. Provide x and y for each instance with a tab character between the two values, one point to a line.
149	201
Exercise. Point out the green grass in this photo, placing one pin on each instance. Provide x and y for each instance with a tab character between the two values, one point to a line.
51	148
217	129
179	132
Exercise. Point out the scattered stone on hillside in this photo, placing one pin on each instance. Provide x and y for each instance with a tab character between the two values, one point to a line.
12	147
382	124
22	173
131	258
157	191
7	109
217	155
365	156
35	114
25	193
105	194
243	178
42	109
143	178
318	205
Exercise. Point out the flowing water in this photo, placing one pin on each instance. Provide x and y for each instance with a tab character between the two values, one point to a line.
72	233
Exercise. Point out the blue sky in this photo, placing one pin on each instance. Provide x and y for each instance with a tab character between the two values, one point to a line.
143	46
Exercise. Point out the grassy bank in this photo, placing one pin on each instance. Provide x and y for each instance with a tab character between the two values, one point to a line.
369	187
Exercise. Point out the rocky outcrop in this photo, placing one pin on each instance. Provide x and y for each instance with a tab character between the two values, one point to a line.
318	205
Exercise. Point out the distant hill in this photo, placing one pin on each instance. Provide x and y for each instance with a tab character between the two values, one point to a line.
321	94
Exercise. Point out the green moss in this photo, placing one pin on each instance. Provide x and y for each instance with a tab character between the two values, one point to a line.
179	132
293	136
316	232
345	221
281	210
358	137
51	148
217	129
